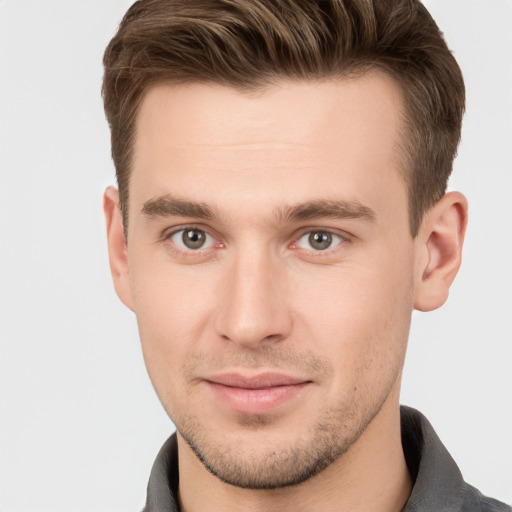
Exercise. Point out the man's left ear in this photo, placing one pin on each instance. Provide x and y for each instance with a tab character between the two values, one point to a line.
439	250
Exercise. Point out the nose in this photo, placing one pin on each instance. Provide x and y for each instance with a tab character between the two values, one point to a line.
253	306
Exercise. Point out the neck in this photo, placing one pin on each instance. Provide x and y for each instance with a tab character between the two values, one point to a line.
371	476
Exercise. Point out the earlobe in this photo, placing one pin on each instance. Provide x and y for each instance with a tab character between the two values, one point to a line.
117	249
440	244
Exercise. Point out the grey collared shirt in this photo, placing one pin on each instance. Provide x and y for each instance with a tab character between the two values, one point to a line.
438	483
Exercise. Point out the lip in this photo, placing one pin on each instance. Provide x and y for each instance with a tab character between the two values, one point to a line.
256	394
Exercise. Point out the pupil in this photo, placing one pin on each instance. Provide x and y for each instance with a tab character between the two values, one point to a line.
193	238
320	241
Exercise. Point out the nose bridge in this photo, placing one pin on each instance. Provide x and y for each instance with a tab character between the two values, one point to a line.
253	308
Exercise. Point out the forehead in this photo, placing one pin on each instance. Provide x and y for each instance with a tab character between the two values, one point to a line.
287	111
215	142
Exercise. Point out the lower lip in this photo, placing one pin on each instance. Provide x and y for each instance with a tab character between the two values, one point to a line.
256	401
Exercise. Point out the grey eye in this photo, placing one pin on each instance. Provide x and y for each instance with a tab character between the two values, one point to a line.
318	240
191	239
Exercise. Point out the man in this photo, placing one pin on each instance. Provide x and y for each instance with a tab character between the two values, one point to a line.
282	169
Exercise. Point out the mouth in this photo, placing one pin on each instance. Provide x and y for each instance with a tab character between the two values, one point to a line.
256	394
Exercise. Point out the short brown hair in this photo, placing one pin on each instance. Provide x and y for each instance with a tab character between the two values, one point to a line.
248	44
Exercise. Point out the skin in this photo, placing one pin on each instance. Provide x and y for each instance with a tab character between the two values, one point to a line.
256	175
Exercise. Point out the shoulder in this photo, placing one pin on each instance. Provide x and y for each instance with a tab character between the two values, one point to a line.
438	482
475	501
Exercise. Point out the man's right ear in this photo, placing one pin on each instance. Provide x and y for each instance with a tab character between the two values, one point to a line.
117	249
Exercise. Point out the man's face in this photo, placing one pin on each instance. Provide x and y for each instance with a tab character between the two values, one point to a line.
271	268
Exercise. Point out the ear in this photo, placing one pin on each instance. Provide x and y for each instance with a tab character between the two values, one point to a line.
439	250
117	250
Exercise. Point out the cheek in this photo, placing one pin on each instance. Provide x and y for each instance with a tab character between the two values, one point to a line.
172	314
360	319
169	299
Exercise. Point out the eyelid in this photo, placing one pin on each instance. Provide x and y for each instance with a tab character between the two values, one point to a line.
172	230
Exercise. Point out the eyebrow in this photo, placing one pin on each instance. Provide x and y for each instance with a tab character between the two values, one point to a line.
168	206
326	208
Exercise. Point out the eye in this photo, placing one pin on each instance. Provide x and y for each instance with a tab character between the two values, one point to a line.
192	239
319	240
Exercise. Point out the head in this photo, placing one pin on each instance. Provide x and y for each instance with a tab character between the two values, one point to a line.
282	169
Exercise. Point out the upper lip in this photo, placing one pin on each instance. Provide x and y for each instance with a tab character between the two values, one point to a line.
258	381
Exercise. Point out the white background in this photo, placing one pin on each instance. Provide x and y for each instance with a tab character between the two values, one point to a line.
80	425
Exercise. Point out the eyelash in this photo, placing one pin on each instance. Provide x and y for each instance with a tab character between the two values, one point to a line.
337	237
